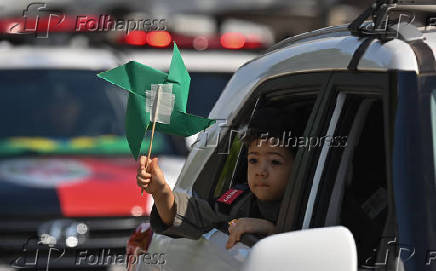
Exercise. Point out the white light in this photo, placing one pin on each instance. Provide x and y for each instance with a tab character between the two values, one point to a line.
82	228
136	210
71	241
47	239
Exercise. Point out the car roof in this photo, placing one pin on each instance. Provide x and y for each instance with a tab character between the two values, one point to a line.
328	49
56	58
195	61
102	59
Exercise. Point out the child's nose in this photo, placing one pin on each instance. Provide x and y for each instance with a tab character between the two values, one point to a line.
262	170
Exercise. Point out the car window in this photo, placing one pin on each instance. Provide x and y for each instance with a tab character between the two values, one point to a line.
350	181
227	166
359	198
344	178
204	91
64	112
433	115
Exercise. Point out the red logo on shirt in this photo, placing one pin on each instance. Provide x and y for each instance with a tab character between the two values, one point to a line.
230	196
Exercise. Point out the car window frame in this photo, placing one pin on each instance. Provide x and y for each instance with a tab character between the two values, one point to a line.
413	168
341	81
295	211
302	84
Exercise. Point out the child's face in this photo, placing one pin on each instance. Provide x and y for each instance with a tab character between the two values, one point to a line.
269	168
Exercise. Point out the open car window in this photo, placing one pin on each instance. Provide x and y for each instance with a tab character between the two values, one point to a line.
227	166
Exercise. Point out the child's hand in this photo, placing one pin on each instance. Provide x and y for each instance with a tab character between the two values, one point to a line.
152	180
239	226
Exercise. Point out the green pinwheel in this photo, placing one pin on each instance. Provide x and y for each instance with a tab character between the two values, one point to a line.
156	96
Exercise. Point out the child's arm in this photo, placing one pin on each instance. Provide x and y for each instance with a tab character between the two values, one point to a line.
239	226
153	181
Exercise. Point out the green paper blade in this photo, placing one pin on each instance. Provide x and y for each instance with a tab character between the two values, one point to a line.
137	121
137	79
179	76
184	124
134	77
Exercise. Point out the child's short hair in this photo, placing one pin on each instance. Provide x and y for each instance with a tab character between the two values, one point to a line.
272	123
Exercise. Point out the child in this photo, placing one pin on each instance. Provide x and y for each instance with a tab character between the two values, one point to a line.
268	171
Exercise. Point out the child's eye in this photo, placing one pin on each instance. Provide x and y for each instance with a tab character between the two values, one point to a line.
276	162
252	161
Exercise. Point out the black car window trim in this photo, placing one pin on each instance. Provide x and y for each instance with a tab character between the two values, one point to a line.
340	100
413	167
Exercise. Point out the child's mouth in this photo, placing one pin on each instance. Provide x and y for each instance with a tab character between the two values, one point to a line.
262	185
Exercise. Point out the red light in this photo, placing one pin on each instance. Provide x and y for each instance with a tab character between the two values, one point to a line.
159	38
232	40
136	38
200	43
253	42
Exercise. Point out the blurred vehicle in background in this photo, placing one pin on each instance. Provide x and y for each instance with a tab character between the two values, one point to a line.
67	177
66	172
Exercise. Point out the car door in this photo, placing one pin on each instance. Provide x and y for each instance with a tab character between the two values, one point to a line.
347	179
220	172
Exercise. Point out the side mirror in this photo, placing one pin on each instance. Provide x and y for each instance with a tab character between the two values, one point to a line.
321	249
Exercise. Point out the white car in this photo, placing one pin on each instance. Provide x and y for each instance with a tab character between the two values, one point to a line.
366	161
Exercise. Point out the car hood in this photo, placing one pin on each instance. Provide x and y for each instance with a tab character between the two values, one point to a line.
71	186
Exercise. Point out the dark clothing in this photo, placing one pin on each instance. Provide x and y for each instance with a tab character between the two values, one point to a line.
194	216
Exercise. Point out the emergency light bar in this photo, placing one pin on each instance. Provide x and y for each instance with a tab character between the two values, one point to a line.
18	28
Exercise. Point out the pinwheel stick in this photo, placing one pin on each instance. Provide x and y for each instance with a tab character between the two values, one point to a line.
155	111
149	151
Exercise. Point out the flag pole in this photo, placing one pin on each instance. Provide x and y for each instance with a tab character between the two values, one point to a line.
155	113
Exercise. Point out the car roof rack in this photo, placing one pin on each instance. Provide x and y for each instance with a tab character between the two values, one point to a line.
383	28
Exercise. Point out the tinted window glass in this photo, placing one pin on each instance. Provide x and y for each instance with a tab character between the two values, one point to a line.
64	111
57	103
205	89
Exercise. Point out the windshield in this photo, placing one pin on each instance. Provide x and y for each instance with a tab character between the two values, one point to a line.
433	115
204	91
66	112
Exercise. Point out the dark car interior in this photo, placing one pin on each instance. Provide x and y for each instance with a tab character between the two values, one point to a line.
364	206
356	193
231	170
